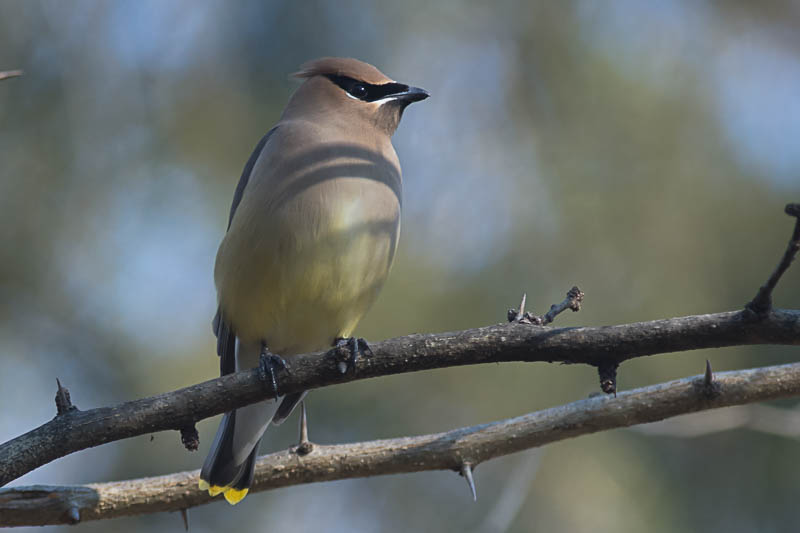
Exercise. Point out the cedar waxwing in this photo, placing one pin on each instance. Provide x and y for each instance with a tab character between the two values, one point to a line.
311	236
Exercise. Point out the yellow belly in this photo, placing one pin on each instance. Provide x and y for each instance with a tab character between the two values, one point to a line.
305	274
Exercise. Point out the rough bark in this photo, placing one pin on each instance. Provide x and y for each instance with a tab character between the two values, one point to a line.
76	430
42	505
460	450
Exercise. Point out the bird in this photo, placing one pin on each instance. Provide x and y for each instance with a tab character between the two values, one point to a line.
312	234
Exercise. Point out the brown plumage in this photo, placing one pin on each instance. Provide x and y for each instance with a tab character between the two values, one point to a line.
342	66
312	234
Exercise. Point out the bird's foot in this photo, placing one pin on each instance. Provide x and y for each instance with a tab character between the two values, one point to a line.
268	366
356	347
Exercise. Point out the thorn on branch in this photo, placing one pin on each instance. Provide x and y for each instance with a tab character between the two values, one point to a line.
185	516
521	315
762	303
710	388
572	302
190	438
466	472
608	377
73	515
63	402
304	446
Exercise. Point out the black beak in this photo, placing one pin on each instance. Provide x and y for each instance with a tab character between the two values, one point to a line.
412	94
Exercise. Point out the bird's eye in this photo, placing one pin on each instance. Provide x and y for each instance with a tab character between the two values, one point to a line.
358	90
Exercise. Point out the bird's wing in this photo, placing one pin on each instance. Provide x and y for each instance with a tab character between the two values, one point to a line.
226	336
226	344
248	169
286	407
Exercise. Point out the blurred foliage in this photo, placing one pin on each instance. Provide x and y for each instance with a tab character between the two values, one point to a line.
641	150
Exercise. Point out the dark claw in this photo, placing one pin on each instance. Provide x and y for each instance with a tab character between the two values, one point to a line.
268	364
357	347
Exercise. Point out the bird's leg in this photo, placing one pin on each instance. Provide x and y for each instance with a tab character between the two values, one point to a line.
268	364
304	446
357	347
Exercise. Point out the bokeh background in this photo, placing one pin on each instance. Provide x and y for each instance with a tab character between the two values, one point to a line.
641	150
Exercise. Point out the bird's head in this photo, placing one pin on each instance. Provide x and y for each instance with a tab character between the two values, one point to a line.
353	90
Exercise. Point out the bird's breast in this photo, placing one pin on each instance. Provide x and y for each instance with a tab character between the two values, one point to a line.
315	262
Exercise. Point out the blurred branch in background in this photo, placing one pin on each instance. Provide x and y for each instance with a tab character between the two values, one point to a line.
509	502
761	418
42	504
4	75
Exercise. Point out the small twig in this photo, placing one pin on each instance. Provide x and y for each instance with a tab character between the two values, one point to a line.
185	516
572	301
8	74
762	303
63	402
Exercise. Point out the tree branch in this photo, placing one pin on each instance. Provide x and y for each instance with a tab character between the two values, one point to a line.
76	430
7	74
460	450
42	505
763	300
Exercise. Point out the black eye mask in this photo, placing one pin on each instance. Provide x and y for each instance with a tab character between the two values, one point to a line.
367	91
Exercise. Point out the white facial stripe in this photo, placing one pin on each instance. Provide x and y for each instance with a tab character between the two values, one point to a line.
376	102
384	100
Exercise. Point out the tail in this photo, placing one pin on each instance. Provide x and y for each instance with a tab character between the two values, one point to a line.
230	464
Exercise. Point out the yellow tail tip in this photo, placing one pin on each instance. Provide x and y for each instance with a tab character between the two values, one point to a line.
213	490
234	496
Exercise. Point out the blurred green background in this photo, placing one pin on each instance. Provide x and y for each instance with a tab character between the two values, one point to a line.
641	150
